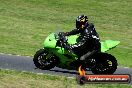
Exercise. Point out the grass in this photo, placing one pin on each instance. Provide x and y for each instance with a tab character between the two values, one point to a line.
24	24
15	79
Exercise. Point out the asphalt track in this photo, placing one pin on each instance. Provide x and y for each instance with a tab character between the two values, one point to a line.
22	63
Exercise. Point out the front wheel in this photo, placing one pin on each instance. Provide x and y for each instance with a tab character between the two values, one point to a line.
105	64
44	60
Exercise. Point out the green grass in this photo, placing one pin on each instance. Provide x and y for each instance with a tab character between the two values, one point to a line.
24	24
13	79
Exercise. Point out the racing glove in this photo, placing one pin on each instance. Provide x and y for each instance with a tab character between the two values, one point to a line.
67	47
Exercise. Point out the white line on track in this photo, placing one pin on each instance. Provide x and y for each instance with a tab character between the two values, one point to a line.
14	55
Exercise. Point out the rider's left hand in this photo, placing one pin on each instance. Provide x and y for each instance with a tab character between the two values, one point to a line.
67	47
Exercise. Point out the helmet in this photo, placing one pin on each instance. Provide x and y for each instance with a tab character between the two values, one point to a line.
81	22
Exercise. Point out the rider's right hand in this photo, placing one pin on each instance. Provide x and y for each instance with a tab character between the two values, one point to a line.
61	33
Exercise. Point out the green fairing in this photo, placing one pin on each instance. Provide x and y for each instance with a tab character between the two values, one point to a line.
108	44
50	42
50	45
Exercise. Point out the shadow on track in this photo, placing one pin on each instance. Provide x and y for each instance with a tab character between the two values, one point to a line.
62	71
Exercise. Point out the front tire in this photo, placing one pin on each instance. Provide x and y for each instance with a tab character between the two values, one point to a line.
105	64
44	60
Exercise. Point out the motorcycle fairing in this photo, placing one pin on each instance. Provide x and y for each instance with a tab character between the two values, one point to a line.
105	45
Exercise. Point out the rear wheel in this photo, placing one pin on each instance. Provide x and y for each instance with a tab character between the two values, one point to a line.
44	60
105	64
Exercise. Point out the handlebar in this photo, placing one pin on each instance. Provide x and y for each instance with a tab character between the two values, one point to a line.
61	39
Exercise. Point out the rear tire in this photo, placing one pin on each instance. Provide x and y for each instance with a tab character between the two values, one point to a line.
105	64
44	60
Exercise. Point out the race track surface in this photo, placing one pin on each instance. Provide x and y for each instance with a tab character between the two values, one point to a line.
22	63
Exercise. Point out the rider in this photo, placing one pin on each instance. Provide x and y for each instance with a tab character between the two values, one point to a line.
88	40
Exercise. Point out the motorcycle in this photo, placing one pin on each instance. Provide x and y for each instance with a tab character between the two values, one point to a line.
53	54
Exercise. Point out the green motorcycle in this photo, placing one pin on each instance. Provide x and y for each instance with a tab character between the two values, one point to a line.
53	54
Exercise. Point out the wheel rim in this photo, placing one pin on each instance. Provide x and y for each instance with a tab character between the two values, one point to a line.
109	63
104	65
45	59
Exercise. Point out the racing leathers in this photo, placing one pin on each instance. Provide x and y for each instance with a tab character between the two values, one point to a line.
87	43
